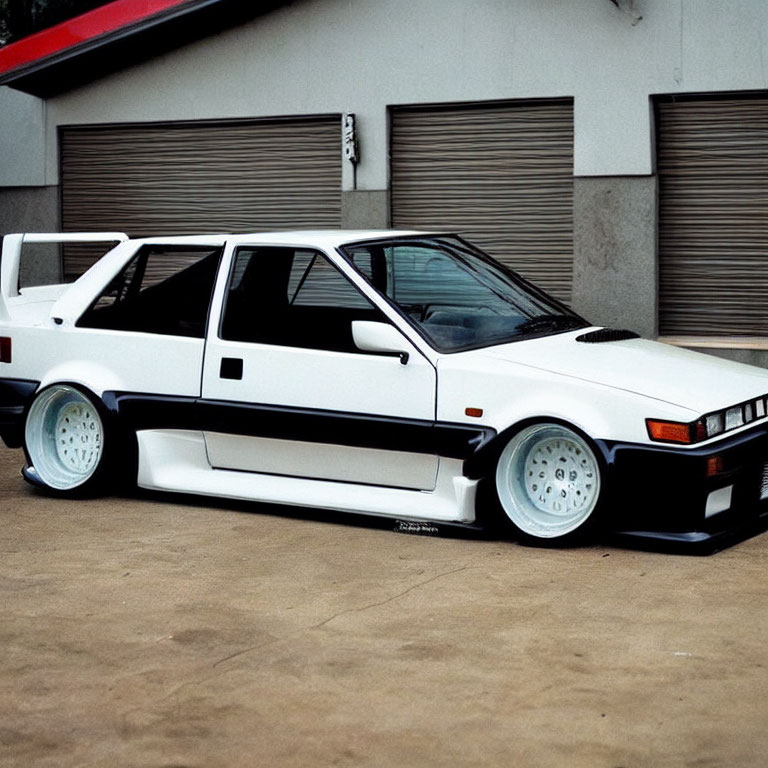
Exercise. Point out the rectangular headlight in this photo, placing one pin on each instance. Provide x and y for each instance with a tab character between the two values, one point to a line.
710	425
734	417
715	424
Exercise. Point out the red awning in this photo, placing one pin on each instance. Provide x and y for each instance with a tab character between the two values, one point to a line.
113	36
81	29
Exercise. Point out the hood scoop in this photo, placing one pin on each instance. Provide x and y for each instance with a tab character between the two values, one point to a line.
606	334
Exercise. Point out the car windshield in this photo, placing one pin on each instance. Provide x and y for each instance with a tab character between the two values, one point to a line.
456	296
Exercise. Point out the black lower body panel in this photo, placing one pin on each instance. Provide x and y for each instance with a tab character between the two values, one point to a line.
15	396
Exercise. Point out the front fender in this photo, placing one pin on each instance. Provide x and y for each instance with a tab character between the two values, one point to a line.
509	394
483	461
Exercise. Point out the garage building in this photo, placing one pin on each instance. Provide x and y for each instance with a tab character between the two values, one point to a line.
615	151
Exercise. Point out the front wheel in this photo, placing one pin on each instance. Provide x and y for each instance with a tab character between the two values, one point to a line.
548	483
64	438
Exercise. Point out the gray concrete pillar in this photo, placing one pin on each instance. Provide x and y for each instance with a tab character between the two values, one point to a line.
365	209
33	209
615	261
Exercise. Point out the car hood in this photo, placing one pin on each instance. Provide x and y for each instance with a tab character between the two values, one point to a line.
677	376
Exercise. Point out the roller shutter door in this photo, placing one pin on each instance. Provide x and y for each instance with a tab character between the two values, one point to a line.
502	175
713	217
200	178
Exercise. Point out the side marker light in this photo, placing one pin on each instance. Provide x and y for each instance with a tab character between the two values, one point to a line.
669	431
5	349
475	412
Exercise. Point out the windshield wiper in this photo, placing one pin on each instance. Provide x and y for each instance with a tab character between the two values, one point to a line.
551	323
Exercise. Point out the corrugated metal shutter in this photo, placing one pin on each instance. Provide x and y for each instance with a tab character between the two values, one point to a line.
713	217
502	175
200	178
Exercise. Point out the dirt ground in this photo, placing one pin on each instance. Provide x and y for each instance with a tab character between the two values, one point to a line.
167	633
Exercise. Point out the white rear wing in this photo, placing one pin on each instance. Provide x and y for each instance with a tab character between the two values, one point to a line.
11	256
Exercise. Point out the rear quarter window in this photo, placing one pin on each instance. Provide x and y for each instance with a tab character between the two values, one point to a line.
163	289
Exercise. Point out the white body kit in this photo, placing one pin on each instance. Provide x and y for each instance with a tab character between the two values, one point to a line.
396	383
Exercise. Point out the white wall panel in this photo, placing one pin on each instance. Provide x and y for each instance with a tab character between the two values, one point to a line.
318	56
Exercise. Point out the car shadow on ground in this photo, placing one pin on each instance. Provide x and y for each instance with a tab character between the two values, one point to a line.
315	514
695	544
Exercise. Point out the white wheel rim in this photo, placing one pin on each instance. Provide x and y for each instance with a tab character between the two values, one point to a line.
78	437
64	436
548	480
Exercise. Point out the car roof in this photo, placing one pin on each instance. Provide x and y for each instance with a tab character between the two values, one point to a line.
324	238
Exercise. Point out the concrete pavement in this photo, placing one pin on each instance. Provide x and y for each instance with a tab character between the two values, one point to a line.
158	632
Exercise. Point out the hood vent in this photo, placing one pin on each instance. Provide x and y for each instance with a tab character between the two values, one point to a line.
606	334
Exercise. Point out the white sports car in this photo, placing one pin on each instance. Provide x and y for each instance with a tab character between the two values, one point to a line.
400	374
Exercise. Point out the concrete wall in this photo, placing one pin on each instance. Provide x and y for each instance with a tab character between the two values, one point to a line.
615	274
29	209
33	209
26	204
320	56
22	140
364	209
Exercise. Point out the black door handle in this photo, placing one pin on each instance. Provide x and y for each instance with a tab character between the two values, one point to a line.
231	368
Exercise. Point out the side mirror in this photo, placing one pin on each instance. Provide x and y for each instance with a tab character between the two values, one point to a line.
380	337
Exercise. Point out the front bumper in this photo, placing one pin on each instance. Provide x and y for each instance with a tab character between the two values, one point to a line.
700	498
15	396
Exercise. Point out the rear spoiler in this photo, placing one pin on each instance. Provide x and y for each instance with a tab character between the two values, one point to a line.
11	256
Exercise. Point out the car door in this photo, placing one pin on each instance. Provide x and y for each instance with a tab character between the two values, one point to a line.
289	393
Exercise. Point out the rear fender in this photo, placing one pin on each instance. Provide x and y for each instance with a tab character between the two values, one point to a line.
86	374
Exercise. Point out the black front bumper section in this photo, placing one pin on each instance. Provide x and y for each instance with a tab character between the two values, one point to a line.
698	498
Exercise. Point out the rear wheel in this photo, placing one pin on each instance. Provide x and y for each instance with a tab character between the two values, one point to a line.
64	438
548	483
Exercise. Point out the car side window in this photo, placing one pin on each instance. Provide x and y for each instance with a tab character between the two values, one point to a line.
294	298
454	299
426	276
162	289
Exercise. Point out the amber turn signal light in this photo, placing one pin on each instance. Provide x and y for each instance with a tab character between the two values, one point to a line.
476	412
669	431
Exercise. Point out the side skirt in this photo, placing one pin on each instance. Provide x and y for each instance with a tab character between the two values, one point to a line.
176	460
